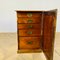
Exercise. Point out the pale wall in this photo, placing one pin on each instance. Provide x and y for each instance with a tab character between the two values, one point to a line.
8	14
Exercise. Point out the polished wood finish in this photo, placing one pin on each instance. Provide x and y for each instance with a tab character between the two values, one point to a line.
36	31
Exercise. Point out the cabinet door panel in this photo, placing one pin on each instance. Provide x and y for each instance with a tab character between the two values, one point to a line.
49	24
47	32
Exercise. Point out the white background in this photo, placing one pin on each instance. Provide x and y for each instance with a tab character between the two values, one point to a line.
8	13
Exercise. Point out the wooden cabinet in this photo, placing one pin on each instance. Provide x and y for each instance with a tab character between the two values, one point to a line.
36	31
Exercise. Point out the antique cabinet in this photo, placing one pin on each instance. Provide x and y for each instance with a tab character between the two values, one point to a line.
36	31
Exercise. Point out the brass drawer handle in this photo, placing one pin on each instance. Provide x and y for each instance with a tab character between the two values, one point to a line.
29	14
29	21
29	26
29	42
29	32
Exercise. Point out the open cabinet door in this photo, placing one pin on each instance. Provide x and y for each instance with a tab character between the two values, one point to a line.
49	25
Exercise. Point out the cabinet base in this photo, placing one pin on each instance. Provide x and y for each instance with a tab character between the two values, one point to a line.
29	51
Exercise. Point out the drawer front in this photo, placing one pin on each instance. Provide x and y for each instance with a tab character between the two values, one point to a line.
29	26
29	14
29	20
30	32
29	43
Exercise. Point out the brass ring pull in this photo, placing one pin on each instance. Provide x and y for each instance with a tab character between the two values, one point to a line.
30	26
29	32
29	42
29	14
29	21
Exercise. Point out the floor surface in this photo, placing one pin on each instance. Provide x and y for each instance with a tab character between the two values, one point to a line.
8	49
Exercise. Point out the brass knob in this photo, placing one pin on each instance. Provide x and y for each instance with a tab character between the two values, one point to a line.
29	26
30	21
29	32
29	42
29	14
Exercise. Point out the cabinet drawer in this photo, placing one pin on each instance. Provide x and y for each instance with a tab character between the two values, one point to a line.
30	32
29	26
29	14
29	42
29	20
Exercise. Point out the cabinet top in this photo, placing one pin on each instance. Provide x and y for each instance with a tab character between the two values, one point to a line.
54	10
